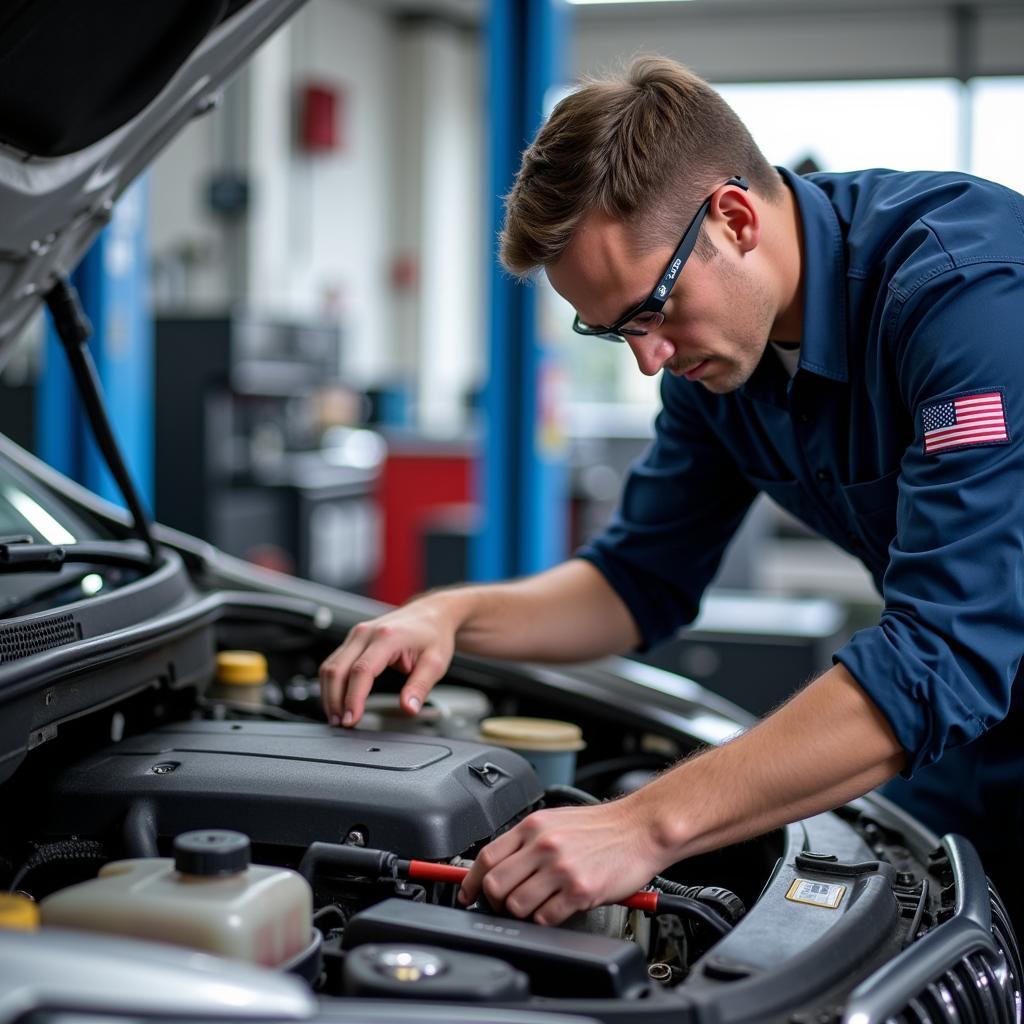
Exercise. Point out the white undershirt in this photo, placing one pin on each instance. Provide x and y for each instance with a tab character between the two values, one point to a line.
789	357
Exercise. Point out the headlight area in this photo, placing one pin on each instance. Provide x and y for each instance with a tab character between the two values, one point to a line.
231	819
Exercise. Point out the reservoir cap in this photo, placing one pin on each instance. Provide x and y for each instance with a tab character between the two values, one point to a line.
211	852
18	912
241	668
532	734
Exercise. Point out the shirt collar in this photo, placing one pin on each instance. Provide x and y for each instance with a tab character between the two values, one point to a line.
823	343
823	339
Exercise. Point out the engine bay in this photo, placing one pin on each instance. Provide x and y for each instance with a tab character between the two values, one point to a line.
381	822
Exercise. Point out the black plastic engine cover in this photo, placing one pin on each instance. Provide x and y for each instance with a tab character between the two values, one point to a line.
558	962
290	784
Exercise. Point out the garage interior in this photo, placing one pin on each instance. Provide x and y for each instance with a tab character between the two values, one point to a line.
314	364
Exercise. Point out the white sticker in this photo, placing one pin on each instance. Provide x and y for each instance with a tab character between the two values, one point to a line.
818	894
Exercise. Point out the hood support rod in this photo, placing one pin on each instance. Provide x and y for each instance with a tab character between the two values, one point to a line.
74	330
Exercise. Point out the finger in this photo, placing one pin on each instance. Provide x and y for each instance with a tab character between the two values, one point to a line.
361	677
430	667
531	893
559	907
490	856
334	672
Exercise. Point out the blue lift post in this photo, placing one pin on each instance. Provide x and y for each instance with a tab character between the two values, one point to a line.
523	473
113	283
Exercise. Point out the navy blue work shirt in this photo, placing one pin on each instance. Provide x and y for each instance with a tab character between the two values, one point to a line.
898	438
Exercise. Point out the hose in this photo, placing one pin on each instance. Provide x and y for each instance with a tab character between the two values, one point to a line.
64	851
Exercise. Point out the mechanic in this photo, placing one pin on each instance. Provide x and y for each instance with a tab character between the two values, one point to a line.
850	344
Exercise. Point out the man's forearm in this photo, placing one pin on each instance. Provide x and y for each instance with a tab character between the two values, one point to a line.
827	745
568	613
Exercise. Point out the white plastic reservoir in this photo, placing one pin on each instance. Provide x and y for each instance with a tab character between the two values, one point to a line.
207	898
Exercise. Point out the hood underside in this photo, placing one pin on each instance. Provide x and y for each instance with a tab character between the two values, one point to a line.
89	95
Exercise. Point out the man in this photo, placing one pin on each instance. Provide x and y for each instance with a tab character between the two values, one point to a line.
850	344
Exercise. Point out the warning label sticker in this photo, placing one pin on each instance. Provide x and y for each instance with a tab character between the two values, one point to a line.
818	894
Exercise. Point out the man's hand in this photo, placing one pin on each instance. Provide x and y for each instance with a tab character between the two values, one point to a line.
418	639
827	745
568	613
559	861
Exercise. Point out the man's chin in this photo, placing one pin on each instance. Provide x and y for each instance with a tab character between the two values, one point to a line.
723	380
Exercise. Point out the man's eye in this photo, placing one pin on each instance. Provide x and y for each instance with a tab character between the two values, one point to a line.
647	320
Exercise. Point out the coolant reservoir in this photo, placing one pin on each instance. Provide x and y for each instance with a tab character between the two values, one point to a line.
208	898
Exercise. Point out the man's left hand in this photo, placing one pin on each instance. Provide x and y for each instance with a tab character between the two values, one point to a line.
566	859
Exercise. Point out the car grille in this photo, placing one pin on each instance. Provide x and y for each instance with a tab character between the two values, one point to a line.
982	988
34	637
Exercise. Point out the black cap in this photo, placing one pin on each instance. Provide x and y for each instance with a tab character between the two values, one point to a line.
211	852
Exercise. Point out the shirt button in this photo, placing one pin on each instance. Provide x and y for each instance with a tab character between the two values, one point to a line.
823	475
804	417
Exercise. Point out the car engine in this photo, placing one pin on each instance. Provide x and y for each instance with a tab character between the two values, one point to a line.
381	821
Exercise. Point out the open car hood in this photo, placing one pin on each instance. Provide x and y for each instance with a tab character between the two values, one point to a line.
89	95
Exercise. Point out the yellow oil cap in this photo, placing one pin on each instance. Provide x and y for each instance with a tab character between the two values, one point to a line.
241	668
18	913
532	733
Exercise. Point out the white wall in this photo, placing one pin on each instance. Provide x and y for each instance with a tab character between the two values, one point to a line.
323	230
187	243
318	235
441	205
339	230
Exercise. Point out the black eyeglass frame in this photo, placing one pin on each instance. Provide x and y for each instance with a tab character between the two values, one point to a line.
655	302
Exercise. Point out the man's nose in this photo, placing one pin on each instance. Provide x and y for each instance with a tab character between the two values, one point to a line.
651	352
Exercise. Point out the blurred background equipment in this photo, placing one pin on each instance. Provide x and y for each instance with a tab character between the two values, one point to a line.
253	452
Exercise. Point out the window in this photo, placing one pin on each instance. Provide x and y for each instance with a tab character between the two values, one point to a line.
927	124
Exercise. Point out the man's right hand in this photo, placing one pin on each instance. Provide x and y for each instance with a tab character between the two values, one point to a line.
566	613
417	639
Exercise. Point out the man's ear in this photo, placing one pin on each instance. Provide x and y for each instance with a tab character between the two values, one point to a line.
736	210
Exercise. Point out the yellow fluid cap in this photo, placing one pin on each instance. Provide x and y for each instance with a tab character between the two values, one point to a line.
18	912
241	668
532	733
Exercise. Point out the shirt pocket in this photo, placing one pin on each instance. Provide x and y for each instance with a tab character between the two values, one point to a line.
872	510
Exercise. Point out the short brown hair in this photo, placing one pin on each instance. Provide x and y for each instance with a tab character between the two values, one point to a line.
645	146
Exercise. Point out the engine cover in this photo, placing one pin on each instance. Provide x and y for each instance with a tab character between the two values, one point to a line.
290	784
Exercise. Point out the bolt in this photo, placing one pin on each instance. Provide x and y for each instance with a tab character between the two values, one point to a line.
164	768
355	838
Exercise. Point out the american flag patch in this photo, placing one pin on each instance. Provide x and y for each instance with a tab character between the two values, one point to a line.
978	418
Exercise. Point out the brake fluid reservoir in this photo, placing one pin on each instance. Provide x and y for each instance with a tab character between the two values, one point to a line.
208	898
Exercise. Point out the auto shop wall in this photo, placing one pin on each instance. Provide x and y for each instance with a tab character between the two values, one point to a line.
384	233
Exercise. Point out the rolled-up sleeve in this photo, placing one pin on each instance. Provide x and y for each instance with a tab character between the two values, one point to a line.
941	661
680	505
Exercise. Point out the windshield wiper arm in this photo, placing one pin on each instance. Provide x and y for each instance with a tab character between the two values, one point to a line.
18	556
